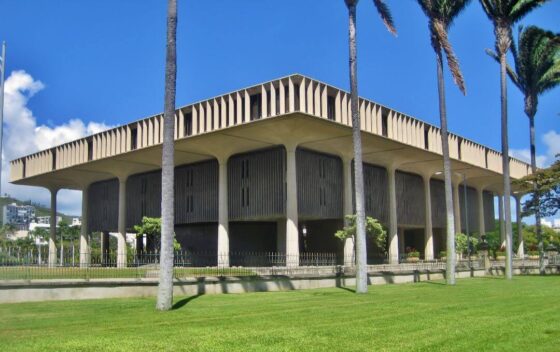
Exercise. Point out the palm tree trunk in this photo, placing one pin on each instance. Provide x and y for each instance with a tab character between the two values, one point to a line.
165	287
361	252
450	252
505	165
536	194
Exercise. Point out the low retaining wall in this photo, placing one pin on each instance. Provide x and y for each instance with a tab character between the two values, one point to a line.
53	290
525	270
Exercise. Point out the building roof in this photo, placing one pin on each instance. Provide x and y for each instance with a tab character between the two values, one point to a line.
135	147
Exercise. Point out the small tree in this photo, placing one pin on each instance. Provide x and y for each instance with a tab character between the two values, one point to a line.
373	229
462	243
152	227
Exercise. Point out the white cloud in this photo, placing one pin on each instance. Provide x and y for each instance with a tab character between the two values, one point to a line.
525	155
23	136
551	140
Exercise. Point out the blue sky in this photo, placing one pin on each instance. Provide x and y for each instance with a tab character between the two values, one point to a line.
103	61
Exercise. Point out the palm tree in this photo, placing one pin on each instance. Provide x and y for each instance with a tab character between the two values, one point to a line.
441	14
165	287
361	251
504	14
537	70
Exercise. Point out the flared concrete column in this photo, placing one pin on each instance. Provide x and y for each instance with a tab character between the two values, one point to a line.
85	252
121	235
428	231
456	207
393	235
501	221
400	232
292	233
349	251
481	222
52	238
520	248
223	217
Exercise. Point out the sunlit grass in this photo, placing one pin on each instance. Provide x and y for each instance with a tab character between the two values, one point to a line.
483	314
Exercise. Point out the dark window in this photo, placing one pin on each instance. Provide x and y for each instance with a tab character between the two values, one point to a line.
384	121
188	124
235	111
426	137
277	102
23	168
286	98
53	159
330	107
256	106
226	107
296	98
486	158
90	149
133	138
459	144
268	106
244	103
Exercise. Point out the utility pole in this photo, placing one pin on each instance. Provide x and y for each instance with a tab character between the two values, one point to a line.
2	71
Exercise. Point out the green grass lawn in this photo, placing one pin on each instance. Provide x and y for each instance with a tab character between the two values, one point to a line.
483	314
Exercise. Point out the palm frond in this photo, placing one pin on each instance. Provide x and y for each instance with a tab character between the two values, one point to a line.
452	60
386	16
520	8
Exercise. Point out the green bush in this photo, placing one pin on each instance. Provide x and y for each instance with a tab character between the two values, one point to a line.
413	254
442	254
500	254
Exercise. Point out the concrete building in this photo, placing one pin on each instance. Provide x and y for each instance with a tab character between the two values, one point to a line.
257	166
18	215
46	220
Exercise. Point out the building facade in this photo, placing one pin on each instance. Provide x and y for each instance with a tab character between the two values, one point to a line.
19	216
269	169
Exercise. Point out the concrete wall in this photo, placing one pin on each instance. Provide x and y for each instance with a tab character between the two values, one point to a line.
55	290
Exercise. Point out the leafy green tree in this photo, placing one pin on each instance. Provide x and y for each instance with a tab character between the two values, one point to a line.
441	14
462	243
504	14
373	229
39	233
360	248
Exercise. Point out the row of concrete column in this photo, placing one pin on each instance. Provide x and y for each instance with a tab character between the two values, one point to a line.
290	234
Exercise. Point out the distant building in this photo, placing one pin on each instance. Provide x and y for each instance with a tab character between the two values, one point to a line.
76	222
18	215
46	220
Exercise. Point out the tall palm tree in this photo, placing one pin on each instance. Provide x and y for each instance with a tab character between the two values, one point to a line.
504	14
165	287
537	70
441	14
361	251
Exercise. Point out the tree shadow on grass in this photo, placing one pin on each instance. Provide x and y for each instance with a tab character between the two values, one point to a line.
347	289
435	283
181	303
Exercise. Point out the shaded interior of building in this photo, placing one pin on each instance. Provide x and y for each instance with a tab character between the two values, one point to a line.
257	205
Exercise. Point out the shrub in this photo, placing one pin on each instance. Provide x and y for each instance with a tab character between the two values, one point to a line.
500	254
442	254
413	254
